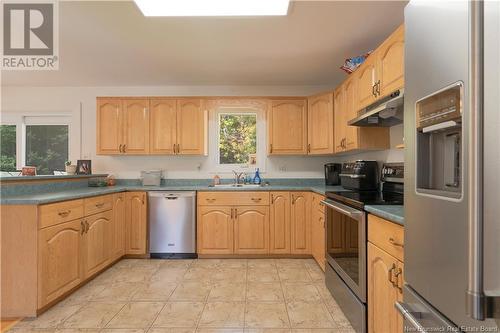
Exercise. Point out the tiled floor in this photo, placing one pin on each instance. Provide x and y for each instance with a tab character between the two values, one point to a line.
206	295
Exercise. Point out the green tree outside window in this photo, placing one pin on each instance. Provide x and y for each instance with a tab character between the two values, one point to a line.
237	137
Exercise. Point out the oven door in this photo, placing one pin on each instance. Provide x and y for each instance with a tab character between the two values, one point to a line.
346	245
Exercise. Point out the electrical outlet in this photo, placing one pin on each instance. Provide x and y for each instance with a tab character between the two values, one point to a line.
282	168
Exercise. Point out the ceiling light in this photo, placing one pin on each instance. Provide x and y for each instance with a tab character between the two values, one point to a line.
213	7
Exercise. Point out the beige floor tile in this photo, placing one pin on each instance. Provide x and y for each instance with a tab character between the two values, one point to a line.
261	263
137	274
93	315
199	274
309	315
179	314
268	330
169	275
177	263
305	292
316	330
223	314
323	290
266	315
191	291
85	293
264	291
123	330
82	330
136	315
54	316
294	275
262	275
121	291
171	330
227	291
31	330
154	291
233	263
316	274
290	263
235	275
220	330
207	263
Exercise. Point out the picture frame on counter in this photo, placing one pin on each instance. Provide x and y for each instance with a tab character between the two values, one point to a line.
84	167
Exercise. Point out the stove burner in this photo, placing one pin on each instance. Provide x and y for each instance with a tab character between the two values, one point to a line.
359	199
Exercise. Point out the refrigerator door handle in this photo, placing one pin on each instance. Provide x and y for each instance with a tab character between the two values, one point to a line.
410	316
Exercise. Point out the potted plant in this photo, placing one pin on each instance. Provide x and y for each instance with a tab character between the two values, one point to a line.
70	168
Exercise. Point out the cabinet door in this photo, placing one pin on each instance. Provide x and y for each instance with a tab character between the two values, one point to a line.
351	112
320	125
300	223
59	260
279	229
118	229
251	230
109	126
136	126
287	127
97	242
390	69
340	119
365	77
163	126
136	223
191	127
382	316
318	237
215	230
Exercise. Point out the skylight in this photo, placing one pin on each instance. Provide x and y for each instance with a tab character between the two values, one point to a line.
213	7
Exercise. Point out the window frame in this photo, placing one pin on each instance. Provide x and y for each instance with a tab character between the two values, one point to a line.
21	120
214	140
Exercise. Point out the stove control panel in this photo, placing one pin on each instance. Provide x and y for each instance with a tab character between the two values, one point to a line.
393	172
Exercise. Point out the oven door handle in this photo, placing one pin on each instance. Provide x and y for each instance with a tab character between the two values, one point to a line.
351	212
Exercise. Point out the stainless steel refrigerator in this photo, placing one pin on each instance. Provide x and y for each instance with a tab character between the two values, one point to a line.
452	164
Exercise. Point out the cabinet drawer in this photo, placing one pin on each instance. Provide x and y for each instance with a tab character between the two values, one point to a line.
386	235
98	204
316	202
52	214
233	198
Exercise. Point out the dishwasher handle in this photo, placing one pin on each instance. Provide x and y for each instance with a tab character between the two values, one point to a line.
172	195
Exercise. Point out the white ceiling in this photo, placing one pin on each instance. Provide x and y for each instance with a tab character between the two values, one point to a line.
110	43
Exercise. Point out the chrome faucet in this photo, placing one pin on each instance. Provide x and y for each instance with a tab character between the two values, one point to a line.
237	177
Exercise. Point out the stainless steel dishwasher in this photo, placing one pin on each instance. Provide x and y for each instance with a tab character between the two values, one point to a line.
172	224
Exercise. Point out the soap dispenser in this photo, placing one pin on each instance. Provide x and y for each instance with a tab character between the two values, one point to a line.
256	178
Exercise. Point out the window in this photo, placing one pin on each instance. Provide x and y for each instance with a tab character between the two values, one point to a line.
8	148
42	141
46	148
237	138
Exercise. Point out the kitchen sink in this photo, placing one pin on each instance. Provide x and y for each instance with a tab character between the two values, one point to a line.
236	186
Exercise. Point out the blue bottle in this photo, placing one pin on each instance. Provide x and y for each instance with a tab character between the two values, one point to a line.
256	178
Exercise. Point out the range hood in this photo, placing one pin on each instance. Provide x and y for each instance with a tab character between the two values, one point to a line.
384	113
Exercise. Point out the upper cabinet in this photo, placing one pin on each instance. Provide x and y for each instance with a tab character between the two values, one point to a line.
287	127
382	72
320	125
391	63
138	126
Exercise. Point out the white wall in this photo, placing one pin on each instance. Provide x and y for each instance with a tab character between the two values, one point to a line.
73	99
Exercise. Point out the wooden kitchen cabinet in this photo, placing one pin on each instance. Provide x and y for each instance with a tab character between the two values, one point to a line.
384	289
318	246
117	244
300	217
215	230
163	126
192	122
279	227
97	242
287	127
136	223
136	126
390	66
251	230
365	77
340	123
109	126
320	124
59	260
351	133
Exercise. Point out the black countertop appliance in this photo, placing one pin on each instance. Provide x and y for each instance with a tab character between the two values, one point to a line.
359	175
332	173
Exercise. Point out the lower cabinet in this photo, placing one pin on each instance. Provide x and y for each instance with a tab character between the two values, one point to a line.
136	223
215	230
300	222
318	237
97	242
279	227
59	260
251	230
117	241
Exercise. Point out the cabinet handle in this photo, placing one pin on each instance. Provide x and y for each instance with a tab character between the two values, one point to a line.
397	275
87	226
293	199
124	148
232	214
394	243
308	147
99	205
373	91
377	90
271	148
120	148
236	213
256	199
82	225
178	148
390	273
64	213
210	199
272	198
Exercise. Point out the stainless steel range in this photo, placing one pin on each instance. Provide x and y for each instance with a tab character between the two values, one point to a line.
346	231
